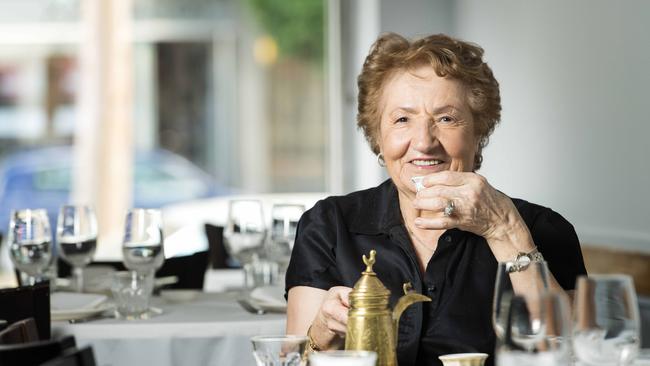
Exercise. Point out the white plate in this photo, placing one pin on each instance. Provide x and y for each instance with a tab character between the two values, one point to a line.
73	306
76	314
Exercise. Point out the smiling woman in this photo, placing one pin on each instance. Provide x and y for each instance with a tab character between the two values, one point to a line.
427	108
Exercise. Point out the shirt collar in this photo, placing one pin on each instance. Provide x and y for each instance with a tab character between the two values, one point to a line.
379	211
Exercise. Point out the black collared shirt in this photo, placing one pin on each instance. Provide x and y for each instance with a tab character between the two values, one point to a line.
459	278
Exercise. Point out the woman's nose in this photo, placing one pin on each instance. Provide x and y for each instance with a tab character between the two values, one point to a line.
424	136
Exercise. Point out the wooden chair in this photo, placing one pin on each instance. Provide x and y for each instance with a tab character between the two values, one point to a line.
74	357
24	302
34	353
22	331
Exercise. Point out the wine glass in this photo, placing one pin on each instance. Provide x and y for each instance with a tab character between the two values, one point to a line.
552	346
518	316
29	241
143	242
284	221
606	320
280	350
76	238
245	230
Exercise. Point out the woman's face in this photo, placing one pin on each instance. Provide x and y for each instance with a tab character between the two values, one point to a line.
426	126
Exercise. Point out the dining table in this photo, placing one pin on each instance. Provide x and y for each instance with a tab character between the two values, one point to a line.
207	329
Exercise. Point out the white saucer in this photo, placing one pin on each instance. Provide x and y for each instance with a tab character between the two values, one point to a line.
76	314
74	306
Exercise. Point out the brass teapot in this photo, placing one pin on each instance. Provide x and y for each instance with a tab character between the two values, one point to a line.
371	324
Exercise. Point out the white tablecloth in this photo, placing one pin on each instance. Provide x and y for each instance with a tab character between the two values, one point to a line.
210	330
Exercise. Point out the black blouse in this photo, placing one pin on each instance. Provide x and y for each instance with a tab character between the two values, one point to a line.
459	278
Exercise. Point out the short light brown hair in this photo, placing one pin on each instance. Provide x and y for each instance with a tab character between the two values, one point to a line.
449	57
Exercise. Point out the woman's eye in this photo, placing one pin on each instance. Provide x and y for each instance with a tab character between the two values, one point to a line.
402	119
446	119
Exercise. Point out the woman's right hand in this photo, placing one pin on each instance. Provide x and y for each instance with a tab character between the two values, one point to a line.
330	325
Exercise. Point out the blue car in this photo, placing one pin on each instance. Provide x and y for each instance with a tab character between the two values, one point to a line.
41	178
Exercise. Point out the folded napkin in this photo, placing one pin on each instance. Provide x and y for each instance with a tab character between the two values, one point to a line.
269	295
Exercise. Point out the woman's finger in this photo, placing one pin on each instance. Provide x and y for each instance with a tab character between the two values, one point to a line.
447	178
437	223
344	295
431	203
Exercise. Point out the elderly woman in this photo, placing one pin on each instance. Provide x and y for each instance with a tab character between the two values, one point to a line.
427	108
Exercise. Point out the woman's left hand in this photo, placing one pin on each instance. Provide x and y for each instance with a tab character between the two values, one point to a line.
478	207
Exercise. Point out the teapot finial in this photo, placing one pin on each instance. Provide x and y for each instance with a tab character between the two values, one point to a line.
369	261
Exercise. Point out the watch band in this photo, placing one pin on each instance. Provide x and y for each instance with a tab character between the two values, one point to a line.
523	260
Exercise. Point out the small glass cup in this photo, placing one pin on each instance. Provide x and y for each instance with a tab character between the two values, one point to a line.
463	359
131	292
279	350
260	272
343	358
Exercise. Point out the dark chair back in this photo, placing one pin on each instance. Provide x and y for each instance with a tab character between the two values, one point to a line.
22	331
74	357
189	269
34	353
218	255
24	302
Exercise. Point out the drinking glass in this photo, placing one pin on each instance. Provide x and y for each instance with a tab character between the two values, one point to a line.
552	346
131	291
245	230
606	320
76	238
517	316
29	241
143	244
343	358
261	272
284	221
281	350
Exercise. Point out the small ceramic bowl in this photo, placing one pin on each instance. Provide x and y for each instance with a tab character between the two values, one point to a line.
463	359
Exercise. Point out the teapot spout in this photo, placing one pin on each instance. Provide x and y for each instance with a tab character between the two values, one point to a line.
404	302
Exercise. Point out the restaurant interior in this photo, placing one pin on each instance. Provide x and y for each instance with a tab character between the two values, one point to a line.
173	125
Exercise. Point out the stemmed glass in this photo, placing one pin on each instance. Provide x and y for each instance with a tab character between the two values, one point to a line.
143	244
606	320
245	230
76	238
518	314
284	221
552	347
30	241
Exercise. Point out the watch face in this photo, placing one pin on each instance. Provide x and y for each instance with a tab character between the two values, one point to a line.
524	260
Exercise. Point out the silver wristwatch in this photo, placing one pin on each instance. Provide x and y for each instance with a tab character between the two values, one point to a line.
523	260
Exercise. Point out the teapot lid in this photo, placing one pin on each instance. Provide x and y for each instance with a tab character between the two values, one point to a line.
369	286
